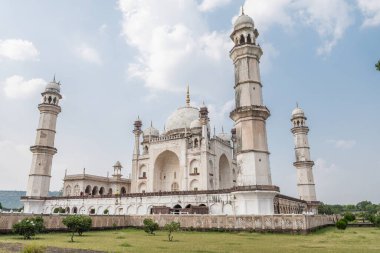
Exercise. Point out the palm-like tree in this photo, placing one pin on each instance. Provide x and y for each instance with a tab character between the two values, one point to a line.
377	65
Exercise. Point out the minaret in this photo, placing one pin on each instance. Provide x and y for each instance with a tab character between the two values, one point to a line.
303	163
44	150
136	153
249	114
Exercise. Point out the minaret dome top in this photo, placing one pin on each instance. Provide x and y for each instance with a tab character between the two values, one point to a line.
53	86
243	21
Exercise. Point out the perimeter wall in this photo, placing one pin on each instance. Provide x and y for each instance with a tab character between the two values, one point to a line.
276	223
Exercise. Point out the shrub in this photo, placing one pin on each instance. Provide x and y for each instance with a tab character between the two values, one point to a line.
341	224
172	227
33	249
349	216
105	211
59	210
150	226
77	224
29	227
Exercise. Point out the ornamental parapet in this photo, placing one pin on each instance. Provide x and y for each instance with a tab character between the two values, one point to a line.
259	111
171	193
51	108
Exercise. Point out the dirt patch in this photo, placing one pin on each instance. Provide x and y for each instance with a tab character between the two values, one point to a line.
17	247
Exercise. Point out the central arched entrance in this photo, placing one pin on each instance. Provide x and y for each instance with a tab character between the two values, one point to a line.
166	172
225	180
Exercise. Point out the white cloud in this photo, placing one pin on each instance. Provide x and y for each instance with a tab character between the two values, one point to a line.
218	115
88	54
173	43
18	158
343	144
17	87
210	5
330	19
18	50
371	12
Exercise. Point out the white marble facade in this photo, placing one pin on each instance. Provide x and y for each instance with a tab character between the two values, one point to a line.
185	164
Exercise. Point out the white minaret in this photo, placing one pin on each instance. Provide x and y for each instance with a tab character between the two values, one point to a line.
44	150
250	116
303	163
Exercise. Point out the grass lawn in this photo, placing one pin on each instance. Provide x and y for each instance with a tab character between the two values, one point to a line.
133	240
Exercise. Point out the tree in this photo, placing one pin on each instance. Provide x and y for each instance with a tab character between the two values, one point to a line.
172	227
341	224
1	207
150	226
349	216
29	227
77	224
378	65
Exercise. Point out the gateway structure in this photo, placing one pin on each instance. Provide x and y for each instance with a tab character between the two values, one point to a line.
185	169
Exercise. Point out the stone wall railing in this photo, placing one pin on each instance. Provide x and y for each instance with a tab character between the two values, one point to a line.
276	223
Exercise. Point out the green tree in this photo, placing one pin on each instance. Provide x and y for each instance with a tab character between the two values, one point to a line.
1	207
172	227
77	224
29	227
378	65
341	224
349	216
150	226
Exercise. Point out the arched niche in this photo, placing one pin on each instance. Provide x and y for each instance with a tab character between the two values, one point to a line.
166	171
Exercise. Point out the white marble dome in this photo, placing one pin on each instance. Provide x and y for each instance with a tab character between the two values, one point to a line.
243	19
298	112
195	124
181	118
151	131
53	86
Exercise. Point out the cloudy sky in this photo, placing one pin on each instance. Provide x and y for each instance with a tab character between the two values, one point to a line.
117	60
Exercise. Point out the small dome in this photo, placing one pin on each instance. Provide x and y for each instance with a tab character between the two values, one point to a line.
117	164
242	20
151	131
195	124
53	86
225	136
298	112
182	118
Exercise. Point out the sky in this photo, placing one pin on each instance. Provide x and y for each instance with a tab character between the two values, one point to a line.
118	60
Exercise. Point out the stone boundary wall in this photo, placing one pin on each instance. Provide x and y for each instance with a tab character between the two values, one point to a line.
276	223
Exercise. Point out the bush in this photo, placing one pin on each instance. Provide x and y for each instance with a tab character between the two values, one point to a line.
59	210
33	249
341	224
172	227
77	224
105	211
150	226
349	216
29	227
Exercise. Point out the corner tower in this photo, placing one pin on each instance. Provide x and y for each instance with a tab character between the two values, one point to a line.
44	150
303	163
249	114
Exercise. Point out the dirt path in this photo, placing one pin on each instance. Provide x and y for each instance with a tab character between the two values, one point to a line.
17	247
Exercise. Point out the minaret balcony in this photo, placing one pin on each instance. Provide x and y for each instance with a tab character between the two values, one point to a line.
259	111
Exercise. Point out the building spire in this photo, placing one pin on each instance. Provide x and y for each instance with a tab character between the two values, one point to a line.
242	9
188	96
297	105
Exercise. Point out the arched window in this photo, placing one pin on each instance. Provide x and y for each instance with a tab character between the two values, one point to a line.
75	209
175	187
298	122
110	191
123	190
195	170
195	143
146	150
49	99
76	190
95	191
88	190
242	40
101	191
68	190
54	100
144	174
249	40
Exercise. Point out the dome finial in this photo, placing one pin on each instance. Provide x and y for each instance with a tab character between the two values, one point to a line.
297	104
242	10
54	78
188	96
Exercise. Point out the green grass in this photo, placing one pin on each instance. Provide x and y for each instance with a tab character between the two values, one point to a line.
133	240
